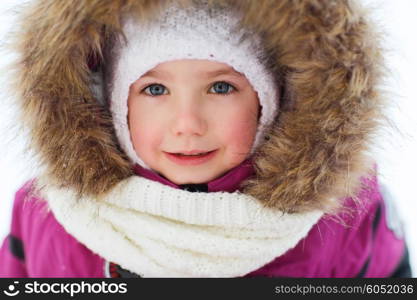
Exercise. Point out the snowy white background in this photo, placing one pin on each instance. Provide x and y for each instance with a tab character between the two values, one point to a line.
396	154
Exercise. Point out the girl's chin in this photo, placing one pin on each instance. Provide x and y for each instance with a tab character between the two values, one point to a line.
189	180
189	177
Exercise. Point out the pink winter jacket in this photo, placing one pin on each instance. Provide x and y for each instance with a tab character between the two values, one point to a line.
366	243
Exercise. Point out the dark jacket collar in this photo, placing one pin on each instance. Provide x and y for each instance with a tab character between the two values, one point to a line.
228	182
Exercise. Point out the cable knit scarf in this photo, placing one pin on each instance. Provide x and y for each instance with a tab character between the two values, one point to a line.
158	231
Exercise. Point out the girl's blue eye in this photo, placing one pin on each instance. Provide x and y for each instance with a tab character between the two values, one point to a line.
155	90
222	87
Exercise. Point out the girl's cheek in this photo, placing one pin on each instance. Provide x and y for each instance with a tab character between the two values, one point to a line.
146	143
241	131
146	130
140	128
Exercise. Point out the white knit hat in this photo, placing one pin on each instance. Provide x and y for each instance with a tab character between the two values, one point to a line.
195	32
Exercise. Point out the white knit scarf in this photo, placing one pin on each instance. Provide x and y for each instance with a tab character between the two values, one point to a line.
155	230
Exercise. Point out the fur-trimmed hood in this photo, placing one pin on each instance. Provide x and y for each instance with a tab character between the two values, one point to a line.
325	55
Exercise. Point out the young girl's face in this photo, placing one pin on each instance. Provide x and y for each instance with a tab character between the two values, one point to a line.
192	106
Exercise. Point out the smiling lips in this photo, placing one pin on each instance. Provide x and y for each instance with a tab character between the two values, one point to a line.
192	152
194	157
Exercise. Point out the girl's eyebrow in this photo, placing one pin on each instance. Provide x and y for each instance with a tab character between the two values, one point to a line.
224	72
154	73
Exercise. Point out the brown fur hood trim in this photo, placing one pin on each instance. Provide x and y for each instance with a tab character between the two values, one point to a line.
324	53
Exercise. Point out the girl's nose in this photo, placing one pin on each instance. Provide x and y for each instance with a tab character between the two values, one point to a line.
189	120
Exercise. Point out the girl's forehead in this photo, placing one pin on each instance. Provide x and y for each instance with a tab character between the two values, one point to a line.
197	67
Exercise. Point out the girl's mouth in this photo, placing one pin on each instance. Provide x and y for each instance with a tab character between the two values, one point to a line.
192	159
